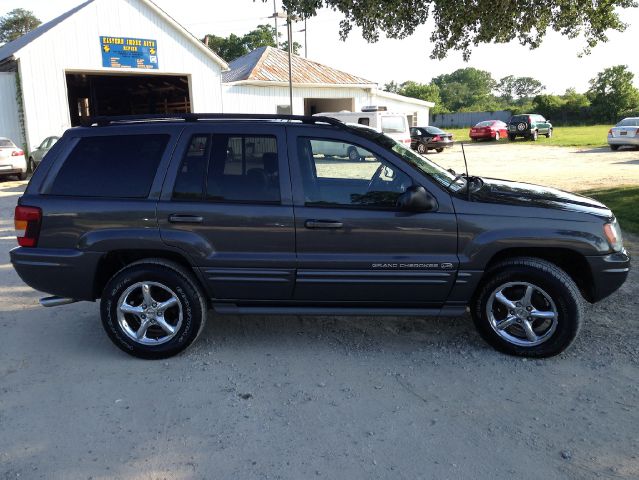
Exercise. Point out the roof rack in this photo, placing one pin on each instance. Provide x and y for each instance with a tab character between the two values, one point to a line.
194	117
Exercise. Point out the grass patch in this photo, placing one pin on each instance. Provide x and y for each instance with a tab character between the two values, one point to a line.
623	201
590	136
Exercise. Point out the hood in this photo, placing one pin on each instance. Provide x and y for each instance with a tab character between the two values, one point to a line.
526	194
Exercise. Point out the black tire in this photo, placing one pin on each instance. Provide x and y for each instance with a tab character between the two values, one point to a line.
22	176
549	134
421	148
32	166
192	305
439	150
614	148
497	136
353	155
551	280
534	136
511	137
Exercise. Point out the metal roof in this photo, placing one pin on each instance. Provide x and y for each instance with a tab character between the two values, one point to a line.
268	64
9	49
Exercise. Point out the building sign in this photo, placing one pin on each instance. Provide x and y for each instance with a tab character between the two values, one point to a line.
122	52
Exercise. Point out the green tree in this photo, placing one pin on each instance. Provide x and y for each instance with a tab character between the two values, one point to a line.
392	87
428	92
16	23
514	88
461	26
233	46
612	92
466	88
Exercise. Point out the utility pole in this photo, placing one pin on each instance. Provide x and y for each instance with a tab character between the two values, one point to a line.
290	62
275	17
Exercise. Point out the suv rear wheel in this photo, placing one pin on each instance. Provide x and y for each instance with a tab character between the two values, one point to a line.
153	309
528	307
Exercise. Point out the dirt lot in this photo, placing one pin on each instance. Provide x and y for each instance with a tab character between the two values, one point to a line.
319	397
570	169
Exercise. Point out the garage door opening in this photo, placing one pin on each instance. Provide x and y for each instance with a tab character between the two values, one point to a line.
92	95
320	105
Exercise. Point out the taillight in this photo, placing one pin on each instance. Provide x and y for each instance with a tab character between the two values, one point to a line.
529	120
610	132
437	138
407	140
27	223
637	132
17	153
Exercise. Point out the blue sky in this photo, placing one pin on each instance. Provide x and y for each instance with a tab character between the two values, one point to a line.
555	63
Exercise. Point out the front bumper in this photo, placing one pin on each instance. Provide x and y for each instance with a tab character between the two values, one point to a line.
60	272
624	140
609	272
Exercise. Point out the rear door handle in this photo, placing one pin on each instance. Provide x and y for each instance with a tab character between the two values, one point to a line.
323	224
178	218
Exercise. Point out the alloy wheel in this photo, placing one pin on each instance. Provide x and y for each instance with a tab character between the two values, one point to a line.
149	313
522	314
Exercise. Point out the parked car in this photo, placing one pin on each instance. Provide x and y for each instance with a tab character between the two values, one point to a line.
489	130
12	161
393	124
430	138
273	228
38	154
529	126
625	133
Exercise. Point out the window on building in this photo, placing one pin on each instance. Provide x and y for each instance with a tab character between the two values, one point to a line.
121	166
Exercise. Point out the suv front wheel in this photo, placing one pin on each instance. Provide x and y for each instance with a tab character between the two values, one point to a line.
528	307
153	309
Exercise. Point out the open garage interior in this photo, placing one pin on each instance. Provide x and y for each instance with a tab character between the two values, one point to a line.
92	95
319	105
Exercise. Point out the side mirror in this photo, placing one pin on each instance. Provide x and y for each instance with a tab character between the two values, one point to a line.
416	199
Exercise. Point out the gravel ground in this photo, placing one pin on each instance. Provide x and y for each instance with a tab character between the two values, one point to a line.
313	397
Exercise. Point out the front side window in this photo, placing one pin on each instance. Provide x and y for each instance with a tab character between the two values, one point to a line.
331	176
229	168
113	166
393	124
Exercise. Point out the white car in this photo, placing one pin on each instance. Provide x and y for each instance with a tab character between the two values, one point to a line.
625	132
12	160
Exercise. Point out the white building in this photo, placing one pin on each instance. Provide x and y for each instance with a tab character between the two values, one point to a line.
104	57
258	83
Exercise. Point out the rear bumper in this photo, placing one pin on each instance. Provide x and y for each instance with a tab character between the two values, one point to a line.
436	145
12	171
64	273
609	272
624	140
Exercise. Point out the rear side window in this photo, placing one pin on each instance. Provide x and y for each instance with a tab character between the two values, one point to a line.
229	168
117	166
6	143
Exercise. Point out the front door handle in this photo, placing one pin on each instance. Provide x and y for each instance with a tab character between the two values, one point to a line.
178	218
323	224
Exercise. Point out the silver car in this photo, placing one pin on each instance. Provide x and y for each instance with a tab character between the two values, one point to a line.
12	161
38	154
625	132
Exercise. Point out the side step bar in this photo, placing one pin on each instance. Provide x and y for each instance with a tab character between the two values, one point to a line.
234	309
56	301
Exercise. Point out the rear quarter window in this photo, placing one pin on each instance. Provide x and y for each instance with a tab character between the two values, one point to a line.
116	166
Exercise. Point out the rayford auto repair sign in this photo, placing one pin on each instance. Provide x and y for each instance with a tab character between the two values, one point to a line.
122	52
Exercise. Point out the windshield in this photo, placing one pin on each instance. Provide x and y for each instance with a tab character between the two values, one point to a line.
395	124
436	172
4	143
629	122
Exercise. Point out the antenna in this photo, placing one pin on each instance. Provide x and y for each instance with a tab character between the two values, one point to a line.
467	176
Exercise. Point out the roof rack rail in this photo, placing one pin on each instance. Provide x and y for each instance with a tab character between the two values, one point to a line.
194	117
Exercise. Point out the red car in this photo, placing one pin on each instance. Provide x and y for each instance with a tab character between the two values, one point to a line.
489	129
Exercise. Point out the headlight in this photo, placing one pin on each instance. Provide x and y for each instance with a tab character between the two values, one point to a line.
612	232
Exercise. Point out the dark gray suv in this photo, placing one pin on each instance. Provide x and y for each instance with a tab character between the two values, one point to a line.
164	219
